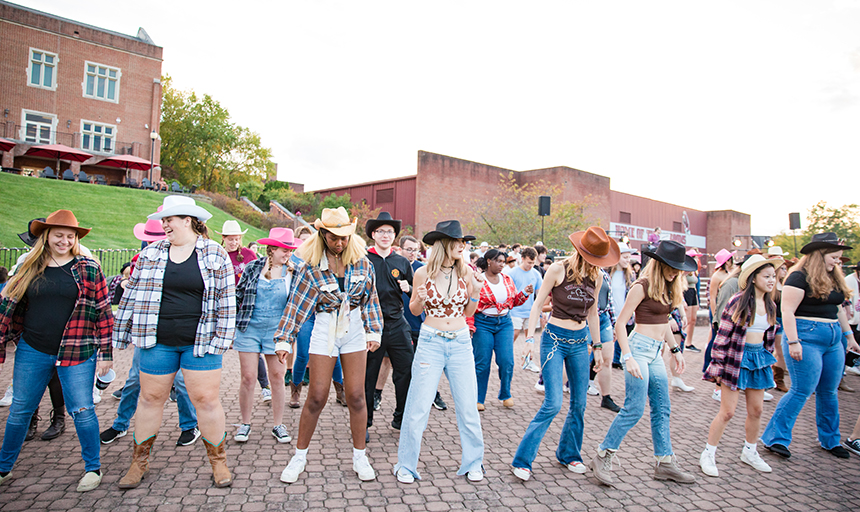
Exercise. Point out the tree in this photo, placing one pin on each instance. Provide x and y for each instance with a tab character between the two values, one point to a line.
512	215
844	221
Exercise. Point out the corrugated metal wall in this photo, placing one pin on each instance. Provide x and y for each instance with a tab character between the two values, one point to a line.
400	191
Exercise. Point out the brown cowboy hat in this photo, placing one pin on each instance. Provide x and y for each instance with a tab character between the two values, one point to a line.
595	247
59	219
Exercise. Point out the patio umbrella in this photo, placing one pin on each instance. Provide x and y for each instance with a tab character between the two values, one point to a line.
60	152
6	145
126	162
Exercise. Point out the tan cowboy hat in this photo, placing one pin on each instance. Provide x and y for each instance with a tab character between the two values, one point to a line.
59	219
231	227
595	247
336	221
752	263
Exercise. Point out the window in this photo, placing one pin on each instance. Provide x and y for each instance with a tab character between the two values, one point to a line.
102	82
98	137
38	128
677	227
624	217
42	70
385	195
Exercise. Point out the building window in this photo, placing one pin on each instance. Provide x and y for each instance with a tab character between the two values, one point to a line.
385	195
42	70
624	217
98	137
38	127
677	227
102	82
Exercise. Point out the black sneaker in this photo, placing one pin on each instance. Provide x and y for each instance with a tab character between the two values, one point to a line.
853	445
839	452
187	437
395	424
439	403
693	348
110	435
607	403
117	394
377	399
172	396
779	449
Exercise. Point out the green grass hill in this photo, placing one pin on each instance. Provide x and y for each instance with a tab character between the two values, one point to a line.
111	212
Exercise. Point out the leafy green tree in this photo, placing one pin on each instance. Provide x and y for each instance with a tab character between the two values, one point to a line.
844	221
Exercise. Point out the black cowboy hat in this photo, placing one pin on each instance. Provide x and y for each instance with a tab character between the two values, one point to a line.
28	237
447	229
673	254
383	219
825	241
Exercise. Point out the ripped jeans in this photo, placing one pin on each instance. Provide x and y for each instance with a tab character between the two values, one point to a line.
33	370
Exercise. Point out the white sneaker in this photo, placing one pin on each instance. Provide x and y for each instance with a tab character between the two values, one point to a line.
708	464
850	370
6	401
767	397
577	467
566	388
266	395
403	476
291	473
97	395
718	395
679	384
533	367
362	466
755	460
242	433
476	475
522	473
90	481
592	390
539	387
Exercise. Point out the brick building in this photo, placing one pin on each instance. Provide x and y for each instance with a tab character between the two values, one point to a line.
414	199
65	82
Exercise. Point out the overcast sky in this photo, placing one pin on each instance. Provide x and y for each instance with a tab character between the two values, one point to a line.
745	105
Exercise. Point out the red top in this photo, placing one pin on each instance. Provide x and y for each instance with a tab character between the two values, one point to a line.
239	266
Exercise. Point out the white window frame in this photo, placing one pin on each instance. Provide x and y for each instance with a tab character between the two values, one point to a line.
23	134
92	134
94	96
54	65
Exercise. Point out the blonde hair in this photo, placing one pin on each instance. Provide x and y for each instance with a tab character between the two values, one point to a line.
661	290
313	248
33	266
437	256
820	281
302	230
576	269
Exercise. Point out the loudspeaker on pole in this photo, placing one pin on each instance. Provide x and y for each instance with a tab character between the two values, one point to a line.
794	221
544	205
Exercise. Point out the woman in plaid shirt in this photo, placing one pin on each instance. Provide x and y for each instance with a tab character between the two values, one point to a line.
56	307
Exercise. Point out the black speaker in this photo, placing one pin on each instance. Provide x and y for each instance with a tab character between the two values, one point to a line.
543	205
793	221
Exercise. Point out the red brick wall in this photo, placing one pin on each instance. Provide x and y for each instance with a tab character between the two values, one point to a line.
722	226
576	186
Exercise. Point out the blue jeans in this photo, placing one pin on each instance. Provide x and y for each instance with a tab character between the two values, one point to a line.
451	352
33	370
493	334
567	352
303	344
819	371
654	385
131	392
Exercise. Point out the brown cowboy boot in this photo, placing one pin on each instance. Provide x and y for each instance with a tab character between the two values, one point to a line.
139	464
779	379
339	395
295	395
218	459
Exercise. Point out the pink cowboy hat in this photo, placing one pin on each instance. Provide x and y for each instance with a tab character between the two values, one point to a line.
723	256
151	231
280	237
694	253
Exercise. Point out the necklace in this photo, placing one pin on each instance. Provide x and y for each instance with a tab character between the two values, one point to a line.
61	266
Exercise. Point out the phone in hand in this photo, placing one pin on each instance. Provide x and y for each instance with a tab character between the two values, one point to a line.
526	361
851	358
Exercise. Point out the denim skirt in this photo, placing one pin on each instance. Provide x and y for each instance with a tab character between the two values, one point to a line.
756	372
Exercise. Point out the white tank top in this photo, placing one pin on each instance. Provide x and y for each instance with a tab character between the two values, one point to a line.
760	324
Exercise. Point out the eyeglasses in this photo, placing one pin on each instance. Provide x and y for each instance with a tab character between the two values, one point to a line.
410	250
384	232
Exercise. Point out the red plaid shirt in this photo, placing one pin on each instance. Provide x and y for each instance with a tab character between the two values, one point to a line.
488	300
89	327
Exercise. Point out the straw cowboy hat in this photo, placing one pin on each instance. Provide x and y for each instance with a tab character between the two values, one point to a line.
231	227
180	205
59	219
384	219
336	221
752	263
447	229
776	251
280	237
595	247
672	253
825	241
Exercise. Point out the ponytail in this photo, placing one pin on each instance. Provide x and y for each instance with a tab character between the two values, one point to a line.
270	251
200	228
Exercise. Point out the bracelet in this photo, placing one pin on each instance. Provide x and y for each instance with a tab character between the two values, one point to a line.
530	339
473	299
794	342
846	333
597	346
625	357
675	350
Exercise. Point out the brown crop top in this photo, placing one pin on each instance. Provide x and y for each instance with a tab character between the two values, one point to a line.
571	301
438	306
650	311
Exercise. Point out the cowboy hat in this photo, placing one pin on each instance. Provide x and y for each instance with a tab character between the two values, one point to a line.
825	241
28	237
671	253
59	219
624	248
595	247
151	231
384	219
693	253
723	256
752	263
447	229
336	221
231	227
181	206
280	237
776	251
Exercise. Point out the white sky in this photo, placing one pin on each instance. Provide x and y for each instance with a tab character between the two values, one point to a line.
745	105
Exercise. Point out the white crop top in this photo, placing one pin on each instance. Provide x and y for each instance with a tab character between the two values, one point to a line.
760	324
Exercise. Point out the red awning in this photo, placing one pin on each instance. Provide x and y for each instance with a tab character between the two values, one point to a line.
59	152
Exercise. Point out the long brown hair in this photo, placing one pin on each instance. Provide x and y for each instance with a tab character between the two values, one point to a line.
577	269
820	281
659	289
745	309
33	266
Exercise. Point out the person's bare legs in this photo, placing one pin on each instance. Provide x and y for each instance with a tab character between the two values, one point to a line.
204	391
728	404
248	368
320	367
276	371
604	378
384	373
691	322
354	365
855	434
154	390
752	425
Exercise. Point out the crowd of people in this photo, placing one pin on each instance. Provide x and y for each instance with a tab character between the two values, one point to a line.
324	308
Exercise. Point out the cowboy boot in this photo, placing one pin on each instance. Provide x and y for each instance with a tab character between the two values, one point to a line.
779	379
139	463
218	459
58	424
34	423
295	395
340	396
845	387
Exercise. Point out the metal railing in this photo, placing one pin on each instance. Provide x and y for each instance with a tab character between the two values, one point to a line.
110	259
56	137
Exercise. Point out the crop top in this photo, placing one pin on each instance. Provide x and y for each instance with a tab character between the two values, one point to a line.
814	307
760	324
438	306
571	301
650	311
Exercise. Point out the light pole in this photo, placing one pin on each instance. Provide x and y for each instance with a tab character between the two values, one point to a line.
237	191
153	137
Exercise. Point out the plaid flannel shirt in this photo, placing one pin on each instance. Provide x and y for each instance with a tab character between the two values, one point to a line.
246	290
728	350
316	290
137	317
488	300
89	327
609	309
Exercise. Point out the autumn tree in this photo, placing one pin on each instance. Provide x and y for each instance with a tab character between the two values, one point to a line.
844	221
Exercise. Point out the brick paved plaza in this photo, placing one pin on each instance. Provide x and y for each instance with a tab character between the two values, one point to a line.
46	474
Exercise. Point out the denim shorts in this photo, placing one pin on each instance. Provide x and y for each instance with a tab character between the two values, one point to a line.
166	360
606	331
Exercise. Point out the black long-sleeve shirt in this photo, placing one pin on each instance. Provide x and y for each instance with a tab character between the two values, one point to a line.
389	272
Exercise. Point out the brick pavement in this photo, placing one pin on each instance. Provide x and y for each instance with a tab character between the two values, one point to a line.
46	474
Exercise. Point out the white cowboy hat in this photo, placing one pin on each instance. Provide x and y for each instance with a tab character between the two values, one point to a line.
231	227
180	205
776	251
625	248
